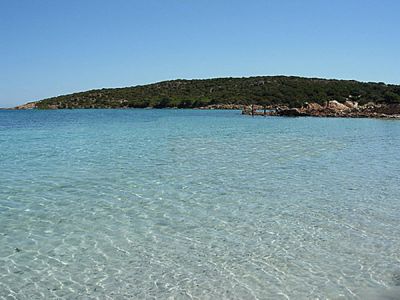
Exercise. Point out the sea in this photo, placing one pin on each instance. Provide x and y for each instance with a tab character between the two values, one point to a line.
197	204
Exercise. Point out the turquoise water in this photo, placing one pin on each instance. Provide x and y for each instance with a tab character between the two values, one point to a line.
189	204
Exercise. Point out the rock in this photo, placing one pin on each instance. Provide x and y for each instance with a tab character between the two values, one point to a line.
30	105
290	112
313	106
369	105
246	110
222	106
388	109
337	106
350	109
351	104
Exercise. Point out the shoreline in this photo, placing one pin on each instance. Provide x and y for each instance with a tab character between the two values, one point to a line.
331	109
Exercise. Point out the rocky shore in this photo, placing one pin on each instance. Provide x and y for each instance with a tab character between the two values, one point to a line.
348	109
30	105
33	105
223	106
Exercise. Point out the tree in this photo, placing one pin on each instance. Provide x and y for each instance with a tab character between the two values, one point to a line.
391	97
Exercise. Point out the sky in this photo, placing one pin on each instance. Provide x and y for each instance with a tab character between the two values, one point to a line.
55	47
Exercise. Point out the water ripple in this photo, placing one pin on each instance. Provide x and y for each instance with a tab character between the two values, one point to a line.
197	205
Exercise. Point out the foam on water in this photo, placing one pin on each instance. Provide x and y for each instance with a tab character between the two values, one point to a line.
197	204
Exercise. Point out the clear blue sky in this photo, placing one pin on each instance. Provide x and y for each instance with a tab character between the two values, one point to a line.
53	47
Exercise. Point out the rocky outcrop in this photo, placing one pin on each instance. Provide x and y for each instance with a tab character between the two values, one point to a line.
290	112
389	109
30	105
337	106
349	109
222	106
313	107
351	104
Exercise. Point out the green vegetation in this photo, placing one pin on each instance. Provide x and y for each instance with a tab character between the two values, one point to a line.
264	90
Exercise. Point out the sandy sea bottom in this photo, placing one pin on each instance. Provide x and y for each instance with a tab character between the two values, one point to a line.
192	204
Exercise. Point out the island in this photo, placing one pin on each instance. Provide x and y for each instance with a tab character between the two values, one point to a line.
273	95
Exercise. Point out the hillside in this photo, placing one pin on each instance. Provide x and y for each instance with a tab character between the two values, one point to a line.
263	90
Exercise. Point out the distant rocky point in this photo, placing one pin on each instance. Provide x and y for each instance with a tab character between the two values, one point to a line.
30	105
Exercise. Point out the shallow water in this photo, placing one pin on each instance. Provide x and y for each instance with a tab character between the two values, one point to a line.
197	204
